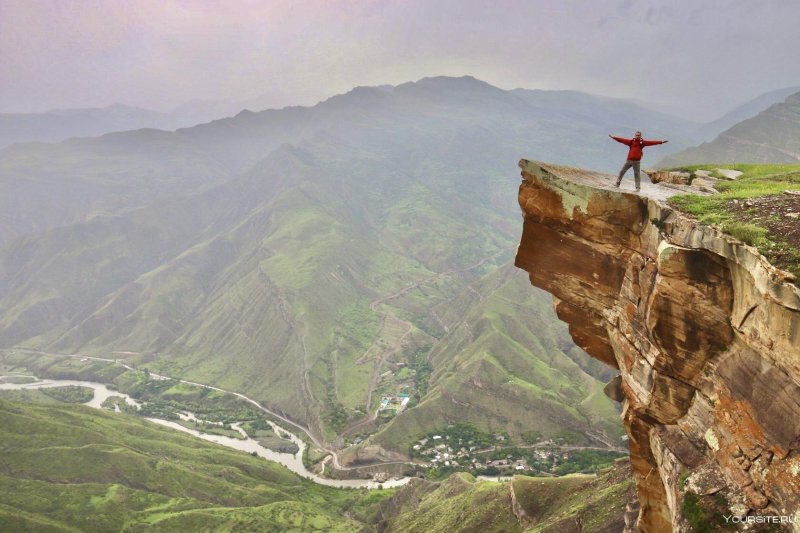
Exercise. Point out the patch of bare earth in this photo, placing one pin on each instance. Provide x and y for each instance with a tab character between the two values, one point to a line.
780	215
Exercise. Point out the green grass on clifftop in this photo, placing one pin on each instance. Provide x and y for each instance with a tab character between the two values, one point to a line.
754	208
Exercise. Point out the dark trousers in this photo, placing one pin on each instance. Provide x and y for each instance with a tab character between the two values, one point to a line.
628	164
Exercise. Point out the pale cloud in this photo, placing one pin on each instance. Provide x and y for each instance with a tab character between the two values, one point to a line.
702	56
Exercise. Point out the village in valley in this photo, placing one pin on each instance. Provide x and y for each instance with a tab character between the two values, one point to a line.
461	447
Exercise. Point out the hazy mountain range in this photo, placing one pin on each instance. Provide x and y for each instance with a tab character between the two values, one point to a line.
747	110
772	136
307	256
61	124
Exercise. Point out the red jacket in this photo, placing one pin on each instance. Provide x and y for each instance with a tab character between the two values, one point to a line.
636	146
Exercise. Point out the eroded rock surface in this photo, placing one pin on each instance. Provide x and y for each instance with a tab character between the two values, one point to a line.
704	331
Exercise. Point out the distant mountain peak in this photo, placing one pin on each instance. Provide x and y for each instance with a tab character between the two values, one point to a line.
451	83
744	111
466	79
772	136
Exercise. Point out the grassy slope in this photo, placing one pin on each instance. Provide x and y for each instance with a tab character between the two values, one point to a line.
457	504
772	136
70	468
497	357
757	181
264	285
593	503
552	504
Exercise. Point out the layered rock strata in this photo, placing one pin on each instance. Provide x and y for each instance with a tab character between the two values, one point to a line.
704	331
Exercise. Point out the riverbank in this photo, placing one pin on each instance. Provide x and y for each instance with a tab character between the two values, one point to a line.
168	397
68	467
293	462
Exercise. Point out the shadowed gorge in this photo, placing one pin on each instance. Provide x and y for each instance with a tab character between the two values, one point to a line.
704	331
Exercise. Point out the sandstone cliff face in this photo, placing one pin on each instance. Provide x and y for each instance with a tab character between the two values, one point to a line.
704	331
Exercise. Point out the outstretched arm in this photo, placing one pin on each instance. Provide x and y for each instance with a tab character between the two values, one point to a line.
622	140
653	143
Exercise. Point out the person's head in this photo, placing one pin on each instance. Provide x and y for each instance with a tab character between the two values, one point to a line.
637	135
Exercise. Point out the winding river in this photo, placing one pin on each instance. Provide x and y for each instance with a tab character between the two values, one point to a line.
293	462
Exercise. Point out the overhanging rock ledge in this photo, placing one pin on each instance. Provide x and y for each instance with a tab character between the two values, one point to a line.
704	331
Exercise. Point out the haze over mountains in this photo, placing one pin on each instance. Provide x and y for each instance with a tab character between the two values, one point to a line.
771	136
61	124
747	110
305	255
82	178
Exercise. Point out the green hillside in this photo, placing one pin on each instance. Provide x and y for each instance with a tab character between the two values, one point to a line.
325	266
772	136
73	468
495	357
462	503
458	504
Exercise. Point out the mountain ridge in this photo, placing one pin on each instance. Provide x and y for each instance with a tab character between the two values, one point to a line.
57	125
746	110
257	273
769	137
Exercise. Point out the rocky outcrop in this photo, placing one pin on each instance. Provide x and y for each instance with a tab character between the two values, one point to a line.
704	331
696	182
668	176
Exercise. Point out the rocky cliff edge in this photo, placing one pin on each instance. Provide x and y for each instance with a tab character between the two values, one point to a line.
705	333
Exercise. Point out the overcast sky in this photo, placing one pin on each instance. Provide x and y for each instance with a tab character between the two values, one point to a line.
701	56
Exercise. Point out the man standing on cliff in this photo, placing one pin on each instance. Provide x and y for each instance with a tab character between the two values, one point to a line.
636	145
